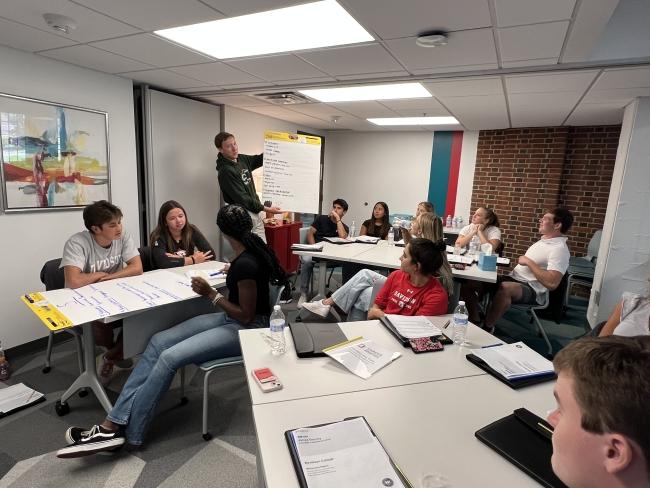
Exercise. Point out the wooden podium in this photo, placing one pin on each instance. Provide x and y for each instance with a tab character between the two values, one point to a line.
279	238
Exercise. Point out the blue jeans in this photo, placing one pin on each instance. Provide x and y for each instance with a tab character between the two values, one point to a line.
199	339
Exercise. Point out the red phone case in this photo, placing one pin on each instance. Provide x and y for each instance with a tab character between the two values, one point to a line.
425	344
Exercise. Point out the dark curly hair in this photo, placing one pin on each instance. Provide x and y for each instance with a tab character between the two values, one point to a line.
235	222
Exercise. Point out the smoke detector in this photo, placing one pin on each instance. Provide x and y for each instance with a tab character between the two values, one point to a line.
433	39
60	23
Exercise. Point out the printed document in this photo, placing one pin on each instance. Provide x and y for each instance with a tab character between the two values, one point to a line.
515	360
344	454
361	357
17	396
413	327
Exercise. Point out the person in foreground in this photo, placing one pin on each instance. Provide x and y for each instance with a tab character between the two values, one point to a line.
601	424
202	338
414	289
630	317
175	242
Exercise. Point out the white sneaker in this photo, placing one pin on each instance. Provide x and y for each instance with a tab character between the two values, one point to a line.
302	300
318	307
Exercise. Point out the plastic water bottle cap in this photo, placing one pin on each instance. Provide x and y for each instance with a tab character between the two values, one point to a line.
276	307
460	302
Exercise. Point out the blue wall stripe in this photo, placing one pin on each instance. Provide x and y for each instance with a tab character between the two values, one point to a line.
440	166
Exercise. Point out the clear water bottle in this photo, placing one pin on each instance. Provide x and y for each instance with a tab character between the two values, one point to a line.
353	230
449	222
391	236
460	324
474	246
454	222
460	222
277	322
5	371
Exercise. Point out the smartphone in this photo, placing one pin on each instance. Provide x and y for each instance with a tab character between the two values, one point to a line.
460	266
266	380
443	339
425	344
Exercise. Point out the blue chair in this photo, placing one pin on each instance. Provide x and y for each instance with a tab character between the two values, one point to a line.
275	291
581	268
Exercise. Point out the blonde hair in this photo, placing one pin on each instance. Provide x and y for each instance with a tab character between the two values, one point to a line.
431	228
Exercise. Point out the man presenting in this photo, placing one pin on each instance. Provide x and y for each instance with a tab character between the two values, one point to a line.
236	179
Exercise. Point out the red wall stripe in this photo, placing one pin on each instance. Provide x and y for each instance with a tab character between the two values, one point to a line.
454	170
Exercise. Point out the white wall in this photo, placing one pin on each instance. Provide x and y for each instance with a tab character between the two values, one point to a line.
30	239
624	254
366	167
183	159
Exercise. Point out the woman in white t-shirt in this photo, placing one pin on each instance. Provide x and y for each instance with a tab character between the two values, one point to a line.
485	225
631	317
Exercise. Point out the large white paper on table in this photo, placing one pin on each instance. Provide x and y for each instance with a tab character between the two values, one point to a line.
344	454
363	358
115	297
515	360
413	327
292	171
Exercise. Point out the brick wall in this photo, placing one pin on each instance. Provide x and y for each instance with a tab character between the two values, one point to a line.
522	172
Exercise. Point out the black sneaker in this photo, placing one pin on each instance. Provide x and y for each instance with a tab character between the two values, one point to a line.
87	442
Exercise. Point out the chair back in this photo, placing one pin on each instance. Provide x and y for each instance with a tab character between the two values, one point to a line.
275	291
375	289
303	234
499	250
146	256
594	245
52	275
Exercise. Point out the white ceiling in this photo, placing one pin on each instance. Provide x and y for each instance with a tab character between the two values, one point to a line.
505	64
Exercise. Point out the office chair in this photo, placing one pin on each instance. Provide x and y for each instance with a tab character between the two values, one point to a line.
275	291
581	268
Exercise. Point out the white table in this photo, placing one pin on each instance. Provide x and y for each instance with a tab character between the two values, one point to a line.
427	428
314	377
380	256
451	230
137	328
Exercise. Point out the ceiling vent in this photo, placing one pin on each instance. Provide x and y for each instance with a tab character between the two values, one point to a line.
284	98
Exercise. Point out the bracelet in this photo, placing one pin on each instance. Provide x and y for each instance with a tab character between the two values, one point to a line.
192	258
216	298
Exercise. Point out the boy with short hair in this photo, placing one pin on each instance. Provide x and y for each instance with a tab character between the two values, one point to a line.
601	424
99	254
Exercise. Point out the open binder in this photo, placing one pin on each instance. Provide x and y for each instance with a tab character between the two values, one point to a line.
310	339
512	383
295	457
405	341
524	439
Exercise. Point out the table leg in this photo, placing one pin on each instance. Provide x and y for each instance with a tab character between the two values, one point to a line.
322	280
89	378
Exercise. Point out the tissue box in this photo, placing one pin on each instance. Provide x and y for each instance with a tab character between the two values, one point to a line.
487	263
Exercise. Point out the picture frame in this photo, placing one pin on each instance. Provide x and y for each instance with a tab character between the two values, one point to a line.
53	156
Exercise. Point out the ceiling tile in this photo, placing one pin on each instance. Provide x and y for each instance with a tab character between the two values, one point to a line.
479	111
90	57
370	76
621	95
152	50
152	15
260	84
91	26
540	109
532	41
465	48
460	87
413	104
163	79
518	12
26	38
365	109
550	82
318	110
233	8
391	20
596	114
623	78
303	82
215	73
372	58
287	115
587	28
529	62
238	100
276	68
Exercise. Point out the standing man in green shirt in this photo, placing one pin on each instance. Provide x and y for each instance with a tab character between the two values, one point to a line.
236	179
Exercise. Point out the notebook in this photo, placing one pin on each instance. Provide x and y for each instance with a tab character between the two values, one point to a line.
16	397
310	339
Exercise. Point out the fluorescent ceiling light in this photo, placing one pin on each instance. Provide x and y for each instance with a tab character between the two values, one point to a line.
308	26
371	92
414	121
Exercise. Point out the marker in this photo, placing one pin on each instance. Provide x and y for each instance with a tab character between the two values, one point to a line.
446	324
212	275
492	345
29	299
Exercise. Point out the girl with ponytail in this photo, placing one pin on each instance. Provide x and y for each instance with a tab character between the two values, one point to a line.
202	338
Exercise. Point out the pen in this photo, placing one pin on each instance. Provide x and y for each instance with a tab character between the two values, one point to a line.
212	275
446	324
30	397
492	345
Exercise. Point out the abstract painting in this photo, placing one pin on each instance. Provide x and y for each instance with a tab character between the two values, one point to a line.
53	156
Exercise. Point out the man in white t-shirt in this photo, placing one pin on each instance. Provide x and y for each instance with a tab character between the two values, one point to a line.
538	271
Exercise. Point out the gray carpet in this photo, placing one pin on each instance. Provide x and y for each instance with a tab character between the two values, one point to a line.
175	453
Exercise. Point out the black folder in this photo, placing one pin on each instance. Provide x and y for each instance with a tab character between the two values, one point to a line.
310	339
524	439
295	458
515	383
